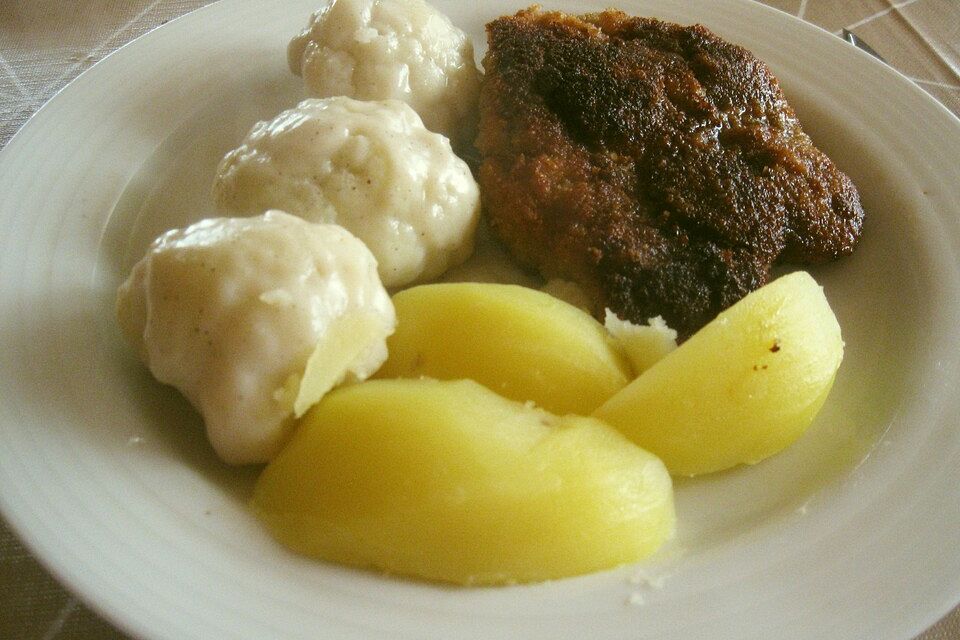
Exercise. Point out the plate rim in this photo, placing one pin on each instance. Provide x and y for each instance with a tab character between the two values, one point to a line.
9	154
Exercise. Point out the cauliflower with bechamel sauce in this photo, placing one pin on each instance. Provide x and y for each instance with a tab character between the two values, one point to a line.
369	166
254	319
400	49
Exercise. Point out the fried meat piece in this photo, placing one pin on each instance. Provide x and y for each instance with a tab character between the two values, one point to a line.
657	165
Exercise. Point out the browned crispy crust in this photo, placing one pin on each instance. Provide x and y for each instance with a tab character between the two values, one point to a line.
655	164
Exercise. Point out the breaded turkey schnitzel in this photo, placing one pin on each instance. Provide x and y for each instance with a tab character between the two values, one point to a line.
657	165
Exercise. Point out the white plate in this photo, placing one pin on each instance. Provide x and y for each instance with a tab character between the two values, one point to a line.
853	533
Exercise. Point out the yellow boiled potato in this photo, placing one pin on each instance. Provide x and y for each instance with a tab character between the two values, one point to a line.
350	339
522	343
742	388
449	481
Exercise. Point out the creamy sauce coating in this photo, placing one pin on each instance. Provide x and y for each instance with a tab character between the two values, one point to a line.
369	166
397	49
229	311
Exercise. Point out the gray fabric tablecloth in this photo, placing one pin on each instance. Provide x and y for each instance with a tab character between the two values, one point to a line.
46	43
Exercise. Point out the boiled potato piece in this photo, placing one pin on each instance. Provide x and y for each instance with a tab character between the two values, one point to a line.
643	344
742	388
522	343
351	338
446	480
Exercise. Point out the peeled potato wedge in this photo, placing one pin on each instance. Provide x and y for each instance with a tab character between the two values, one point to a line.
345	343
448	481
741	389
522	343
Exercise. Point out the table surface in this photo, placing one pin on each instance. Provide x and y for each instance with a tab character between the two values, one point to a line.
44	44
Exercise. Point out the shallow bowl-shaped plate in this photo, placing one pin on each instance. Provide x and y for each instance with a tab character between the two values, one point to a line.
853	533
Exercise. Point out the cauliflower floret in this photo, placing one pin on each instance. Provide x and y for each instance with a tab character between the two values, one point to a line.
369	166
644	345
254	319
400	49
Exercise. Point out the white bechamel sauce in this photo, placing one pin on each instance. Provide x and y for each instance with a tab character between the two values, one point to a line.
392	49
369	166
229	311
